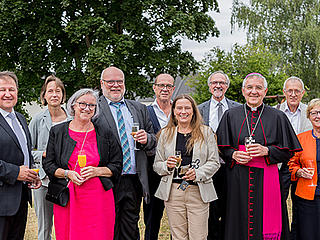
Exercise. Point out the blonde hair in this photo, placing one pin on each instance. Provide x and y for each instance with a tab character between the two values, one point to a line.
196	123
313	103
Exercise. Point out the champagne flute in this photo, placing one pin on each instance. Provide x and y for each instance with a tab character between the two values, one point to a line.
82	159
178	163
310	166
135	129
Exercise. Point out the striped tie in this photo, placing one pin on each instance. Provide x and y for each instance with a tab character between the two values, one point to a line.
22	140
123	139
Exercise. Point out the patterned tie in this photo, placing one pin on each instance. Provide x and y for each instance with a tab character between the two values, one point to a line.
123	139
219	111
22	140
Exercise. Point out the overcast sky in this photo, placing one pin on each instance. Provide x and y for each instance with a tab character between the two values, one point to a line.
225	40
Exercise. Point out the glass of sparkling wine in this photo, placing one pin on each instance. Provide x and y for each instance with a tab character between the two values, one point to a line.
82	159
34	168
135	129
178	163
310	165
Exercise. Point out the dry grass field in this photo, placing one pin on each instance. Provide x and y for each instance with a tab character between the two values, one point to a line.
32	226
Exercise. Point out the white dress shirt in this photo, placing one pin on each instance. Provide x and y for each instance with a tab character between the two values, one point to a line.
294	118
162	117
213	112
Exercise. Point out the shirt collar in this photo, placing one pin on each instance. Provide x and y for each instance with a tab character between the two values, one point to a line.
287	109
223	102
5	113
109	101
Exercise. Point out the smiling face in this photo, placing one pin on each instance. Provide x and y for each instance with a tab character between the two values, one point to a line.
112	84
314	116
164	87
8	93
53	94
84	114
293	92
254	91
183	111
218	86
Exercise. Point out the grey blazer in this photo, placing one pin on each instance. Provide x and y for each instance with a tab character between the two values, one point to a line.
140	114
305	123
207	153
204	109
39	128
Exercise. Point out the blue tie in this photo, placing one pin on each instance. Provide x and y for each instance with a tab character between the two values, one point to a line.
123	139
22	140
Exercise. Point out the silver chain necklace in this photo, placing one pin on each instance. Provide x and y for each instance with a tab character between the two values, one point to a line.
255	126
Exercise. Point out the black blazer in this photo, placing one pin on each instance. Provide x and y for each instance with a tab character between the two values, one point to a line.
61	145
140	114
11	158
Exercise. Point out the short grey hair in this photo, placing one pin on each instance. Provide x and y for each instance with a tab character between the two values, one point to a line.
221	72
11	75
265	83
84	91
293	78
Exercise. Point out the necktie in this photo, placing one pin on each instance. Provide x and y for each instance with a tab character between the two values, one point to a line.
22	140
123	139
219	111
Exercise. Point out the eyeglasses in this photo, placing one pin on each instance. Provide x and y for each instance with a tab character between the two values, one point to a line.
162	86
314	113
291	91
217	82
84	105
113	82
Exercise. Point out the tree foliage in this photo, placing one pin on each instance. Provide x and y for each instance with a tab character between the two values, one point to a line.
238	63
78	39
291	28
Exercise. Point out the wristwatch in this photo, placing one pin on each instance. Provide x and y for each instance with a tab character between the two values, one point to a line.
66	174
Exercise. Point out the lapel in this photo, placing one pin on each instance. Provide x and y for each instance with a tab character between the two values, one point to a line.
133	112
107	115
6	127
229	103
47	119
206	113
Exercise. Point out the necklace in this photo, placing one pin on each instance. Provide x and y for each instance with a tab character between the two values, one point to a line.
255	126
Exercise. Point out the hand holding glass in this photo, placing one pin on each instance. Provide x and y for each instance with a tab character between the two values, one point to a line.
310	166
178	162
135	129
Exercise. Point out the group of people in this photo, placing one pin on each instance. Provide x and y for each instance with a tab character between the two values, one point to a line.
222	170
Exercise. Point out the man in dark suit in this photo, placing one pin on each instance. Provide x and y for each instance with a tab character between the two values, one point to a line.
16	177
119	114
212	111
159	112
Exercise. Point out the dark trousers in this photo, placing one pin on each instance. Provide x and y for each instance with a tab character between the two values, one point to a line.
217	209
128	196
13	227
286	183
153	211
308	219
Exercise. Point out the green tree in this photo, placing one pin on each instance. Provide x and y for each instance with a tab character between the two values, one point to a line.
237	63
290	28
77	39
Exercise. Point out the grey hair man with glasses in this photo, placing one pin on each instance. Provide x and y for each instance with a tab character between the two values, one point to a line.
159	112
120	115
296	111
212	111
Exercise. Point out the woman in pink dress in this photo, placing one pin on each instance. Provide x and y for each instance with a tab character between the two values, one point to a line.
90	212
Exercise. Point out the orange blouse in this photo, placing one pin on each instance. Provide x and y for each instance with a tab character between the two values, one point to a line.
308	143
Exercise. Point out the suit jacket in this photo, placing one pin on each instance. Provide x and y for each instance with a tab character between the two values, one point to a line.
11	158
61	145
207	153
39	128
204	109
140	114
308	143
305	123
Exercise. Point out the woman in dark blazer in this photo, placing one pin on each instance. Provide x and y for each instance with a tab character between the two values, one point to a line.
90	210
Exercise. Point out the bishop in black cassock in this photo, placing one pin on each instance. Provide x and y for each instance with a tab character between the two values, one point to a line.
256	209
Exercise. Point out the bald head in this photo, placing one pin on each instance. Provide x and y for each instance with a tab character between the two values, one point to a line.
112	71
112	84
164	76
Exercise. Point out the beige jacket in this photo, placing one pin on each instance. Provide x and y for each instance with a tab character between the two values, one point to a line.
207	153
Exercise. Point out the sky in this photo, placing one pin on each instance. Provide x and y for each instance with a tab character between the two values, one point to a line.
225	40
